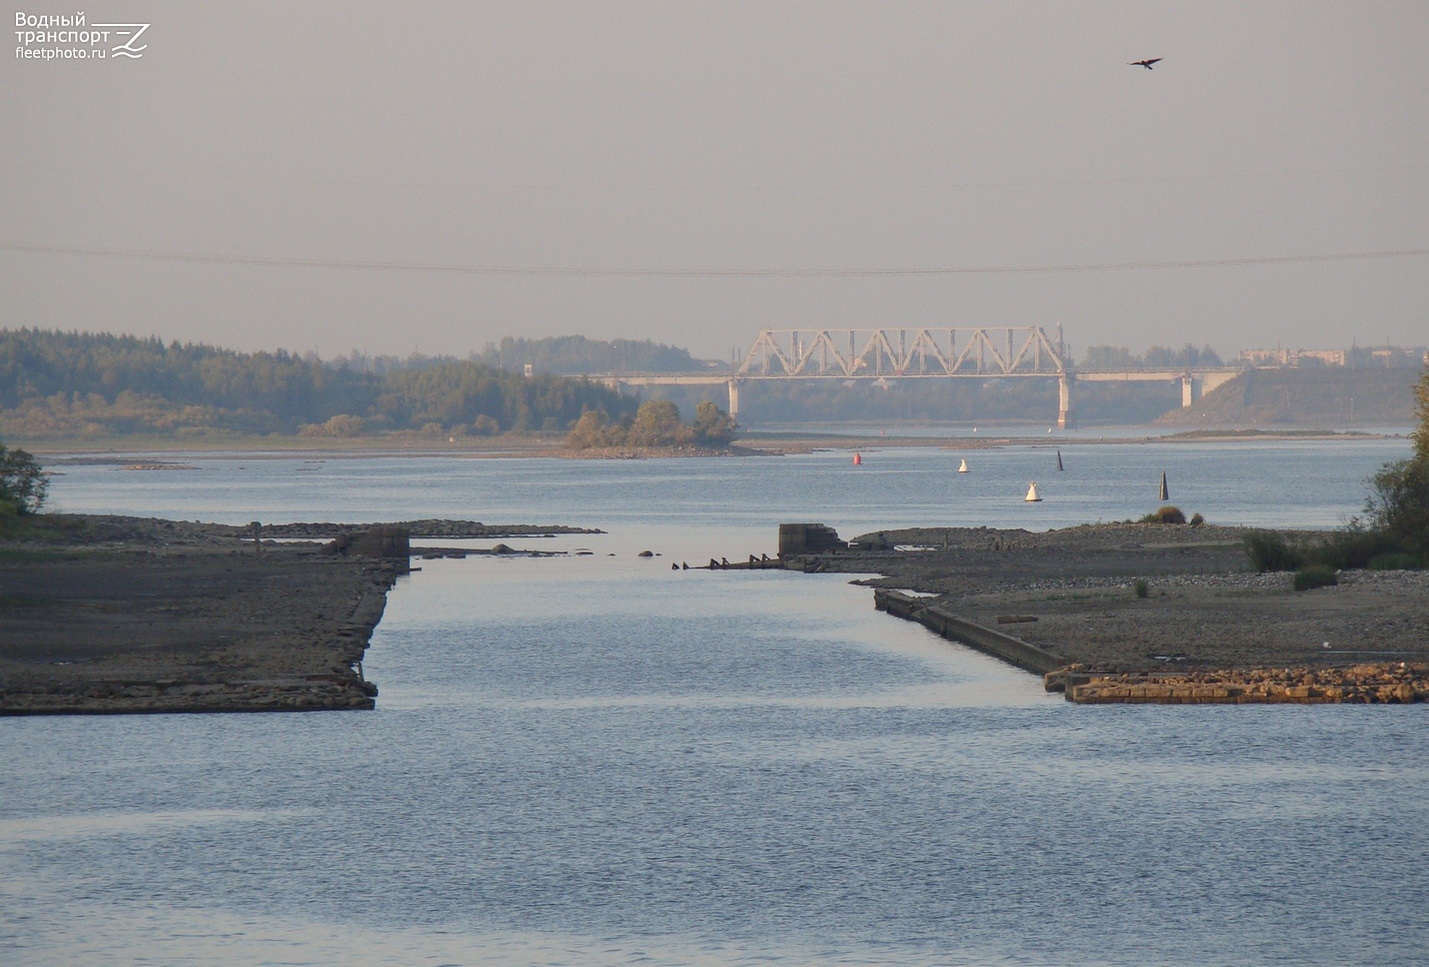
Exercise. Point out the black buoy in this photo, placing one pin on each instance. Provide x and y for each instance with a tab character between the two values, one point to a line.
1059	460
1165	494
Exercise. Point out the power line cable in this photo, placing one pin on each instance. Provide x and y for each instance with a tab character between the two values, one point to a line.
576	271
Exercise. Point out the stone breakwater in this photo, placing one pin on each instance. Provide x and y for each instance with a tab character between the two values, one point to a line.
940	621
106	614
118	697
1377	683
1151	613
424	528
197	630
1367	683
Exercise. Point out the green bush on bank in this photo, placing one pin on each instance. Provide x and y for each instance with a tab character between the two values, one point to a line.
1394	533
1270	551
1315	576
1353	548
1395	562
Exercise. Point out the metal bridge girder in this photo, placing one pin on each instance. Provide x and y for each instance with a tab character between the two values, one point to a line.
816	352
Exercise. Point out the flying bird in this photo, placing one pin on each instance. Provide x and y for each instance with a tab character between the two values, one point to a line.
1144	63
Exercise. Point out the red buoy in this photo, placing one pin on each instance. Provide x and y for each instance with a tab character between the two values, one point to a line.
857	459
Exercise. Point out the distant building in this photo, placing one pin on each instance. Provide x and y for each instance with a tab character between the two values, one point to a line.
1264	357
1388	357
1279	358
1360	357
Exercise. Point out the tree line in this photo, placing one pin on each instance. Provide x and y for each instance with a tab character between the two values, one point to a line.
1156	357
554	354
656	424
78	384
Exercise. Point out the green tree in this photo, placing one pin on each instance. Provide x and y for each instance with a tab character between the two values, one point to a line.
1421	406
712	426
1398	504
592	430
23	485
657	424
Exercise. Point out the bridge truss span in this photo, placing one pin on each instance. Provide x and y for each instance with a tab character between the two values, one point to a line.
894	354
878	353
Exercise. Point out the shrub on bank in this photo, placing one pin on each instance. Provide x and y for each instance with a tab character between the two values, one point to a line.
1269	551
1354	547
1141	588
1315	576
1165	515
1395	562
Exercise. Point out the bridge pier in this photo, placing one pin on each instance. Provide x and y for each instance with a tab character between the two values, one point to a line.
1190	391
734	399
1064	402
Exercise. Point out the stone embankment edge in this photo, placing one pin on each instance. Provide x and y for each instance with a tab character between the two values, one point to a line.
1015	651
343	689
1394	683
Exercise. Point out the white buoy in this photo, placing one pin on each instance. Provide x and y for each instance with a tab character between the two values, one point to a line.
963	467
1032	497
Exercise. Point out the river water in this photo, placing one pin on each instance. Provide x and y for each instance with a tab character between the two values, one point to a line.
593	759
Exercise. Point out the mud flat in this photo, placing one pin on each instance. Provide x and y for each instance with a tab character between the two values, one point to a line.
1208	629
117	614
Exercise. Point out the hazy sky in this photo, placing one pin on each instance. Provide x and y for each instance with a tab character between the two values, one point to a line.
723	137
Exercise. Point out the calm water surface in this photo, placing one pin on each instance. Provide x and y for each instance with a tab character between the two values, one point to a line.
594	759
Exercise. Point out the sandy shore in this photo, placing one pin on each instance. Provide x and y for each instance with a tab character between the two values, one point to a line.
116	614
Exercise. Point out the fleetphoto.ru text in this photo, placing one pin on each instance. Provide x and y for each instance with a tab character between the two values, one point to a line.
68	36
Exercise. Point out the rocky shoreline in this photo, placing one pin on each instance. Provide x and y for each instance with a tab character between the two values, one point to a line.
1384	683
104	614
1205	627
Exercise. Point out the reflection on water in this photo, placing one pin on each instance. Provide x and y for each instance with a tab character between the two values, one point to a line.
600	760
219	939
53	828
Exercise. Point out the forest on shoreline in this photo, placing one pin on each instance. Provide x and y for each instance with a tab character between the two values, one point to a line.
56	385
73	386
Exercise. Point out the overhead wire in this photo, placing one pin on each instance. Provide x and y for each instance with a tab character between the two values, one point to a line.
275	261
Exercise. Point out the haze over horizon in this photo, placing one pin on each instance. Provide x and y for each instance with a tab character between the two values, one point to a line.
693	172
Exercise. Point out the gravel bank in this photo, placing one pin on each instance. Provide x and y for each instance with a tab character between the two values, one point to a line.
1074	593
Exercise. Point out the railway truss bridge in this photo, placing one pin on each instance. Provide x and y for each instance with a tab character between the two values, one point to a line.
1021	352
